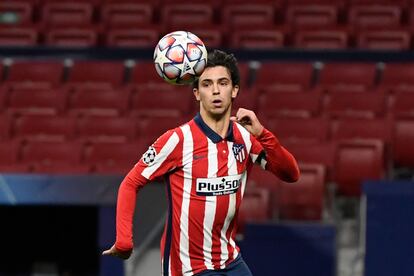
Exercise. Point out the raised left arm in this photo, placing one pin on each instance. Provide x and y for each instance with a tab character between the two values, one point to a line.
277	159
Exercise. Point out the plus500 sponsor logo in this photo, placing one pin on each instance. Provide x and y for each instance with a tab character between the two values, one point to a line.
218	185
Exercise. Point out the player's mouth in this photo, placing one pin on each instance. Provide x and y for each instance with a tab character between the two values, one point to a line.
217	103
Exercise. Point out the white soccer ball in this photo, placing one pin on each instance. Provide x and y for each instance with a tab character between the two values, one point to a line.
180	57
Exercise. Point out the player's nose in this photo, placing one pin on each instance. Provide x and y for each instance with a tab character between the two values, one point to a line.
216	89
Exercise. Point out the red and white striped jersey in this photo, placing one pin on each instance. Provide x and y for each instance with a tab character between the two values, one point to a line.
206	178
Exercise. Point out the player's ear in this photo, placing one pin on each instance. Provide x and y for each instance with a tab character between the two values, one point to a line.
235	91
196	93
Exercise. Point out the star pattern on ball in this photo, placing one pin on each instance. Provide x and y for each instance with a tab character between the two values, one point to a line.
188	66
160	59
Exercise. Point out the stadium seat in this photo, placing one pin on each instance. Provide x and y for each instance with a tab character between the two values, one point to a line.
54	157
76	37
247	98
9	158
359	129
47	102
246	76
341	76
262	178
364	129
400	3
402	104
3	94
282	76
105	102
311	130
316	153
106	129
304	199
338	3
5	126
399	40
35	74
257	39
142	37
16	13
127	14
255	207
145	77
118	158
357	161
149	129
67	14
374	16
343	104
18	36
44	128
249	15
397	76
311	16
97	74
143	105
321	39
193	14
403	137
290	104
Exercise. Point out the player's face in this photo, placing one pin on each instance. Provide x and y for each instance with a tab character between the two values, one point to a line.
215	91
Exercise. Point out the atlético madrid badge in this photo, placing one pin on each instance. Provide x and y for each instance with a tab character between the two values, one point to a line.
239	152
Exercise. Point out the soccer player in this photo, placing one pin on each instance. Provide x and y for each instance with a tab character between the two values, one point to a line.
205	163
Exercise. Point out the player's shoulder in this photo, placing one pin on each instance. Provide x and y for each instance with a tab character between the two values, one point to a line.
238	128
178	130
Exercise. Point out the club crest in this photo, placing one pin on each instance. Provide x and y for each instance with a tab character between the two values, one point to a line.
239	152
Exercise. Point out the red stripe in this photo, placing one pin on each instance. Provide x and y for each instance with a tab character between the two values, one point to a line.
197	203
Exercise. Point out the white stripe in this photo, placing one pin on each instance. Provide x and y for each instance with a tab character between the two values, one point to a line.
210	207
246	138
232	170
169	265
187	160
162	155
263	163
243	187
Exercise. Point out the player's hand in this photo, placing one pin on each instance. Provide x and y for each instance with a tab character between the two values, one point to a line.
113	251
249	121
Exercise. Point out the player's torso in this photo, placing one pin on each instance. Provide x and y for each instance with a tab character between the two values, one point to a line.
206	191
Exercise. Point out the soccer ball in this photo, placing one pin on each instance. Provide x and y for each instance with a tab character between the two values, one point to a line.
180	57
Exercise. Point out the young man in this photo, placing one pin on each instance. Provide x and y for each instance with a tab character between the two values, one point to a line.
205	163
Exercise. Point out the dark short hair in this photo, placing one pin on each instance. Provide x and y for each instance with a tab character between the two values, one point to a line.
221	58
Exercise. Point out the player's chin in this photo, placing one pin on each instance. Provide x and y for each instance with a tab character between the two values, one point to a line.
218	110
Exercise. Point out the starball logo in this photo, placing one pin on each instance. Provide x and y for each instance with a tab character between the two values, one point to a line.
217	186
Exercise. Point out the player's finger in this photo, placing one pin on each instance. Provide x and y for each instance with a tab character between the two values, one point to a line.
107	252
233	118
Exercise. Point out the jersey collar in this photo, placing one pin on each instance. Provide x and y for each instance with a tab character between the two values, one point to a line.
211	134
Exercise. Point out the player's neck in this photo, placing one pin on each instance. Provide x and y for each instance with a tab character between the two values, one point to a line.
219	124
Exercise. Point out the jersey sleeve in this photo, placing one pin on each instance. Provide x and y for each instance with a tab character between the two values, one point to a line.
160	158
272	156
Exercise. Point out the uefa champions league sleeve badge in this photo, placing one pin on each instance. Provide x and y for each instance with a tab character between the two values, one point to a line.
149	156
